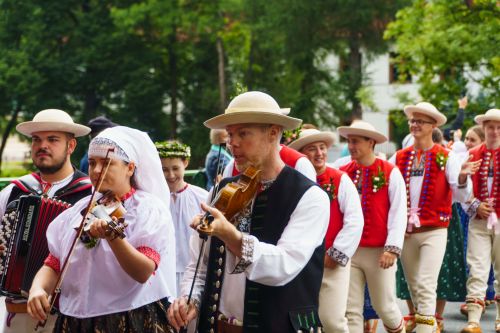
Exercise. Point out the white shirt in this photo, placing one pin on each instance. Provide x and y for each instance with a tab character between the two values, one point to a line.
5	193
452	172
273	265
339	162
184	206
347	240
396	220
95	283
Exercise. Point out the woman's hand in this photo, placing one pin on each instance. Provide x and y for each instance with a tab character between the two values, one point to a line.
38	304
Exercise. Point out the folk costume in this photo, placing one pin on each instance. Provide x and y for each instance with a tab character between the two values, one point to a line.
381	188
290	157
97	294
275	286
431	177
70	189
342	237
183	205
484	235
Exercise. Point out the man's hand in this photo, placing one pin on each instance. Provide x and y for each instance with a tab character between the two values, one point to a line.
470	168
462	102
38	304
329	262
180	314
387	259
484	210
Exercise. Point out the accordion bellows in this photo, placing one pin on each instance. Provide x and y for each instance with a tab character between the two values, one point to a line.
23	231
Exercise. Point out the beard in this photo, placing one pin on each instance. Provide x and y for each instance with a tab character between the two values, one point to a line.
51	168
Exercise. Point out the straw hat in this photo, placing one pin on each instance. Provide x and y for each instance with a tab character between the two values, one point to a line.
253	107
362	128
427	109
52	120
491	114
308	136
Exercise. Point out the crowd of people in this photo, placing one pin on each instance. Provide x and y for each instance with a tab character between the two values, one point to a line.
280	240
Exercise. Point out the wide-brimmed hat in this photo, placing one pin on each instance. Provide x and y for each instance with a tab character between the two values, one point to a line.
253	107
427	109
52	120
491	114
362	128
308	136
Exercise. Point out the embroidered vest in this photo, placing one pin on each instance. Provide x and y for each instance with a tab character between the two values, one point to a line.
435	195
288	155
376	203
480	178
331	178
277	309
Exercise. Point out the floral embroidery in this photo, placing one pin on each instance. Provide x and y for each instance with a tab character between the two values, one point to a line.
150	253
378	180
247	250
341	258
393	249
329	188
290	136
53	263
441	160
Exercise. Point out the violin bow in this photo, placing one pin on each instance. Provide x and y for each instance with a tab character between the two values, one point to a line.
57	288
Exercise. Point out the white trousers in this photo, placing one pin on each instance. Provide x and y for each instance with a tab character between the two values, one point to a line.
421	259
483	249
333	299
381	282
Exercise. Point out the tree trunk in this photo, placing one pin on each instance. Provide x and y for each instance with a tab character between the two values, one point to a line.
356	78
10	125
172	61
222	75
249	75
91	104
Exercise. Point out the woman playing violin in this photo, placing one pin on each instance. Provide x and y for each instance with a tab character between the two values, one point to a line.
113	284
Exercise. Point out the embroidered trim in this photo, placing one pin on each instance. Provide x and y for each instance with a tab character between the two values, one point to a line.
398	329
425	320
53	263
484	172
150	253
247	249
128	194
475	301
341	258
99	147
393	249
472	210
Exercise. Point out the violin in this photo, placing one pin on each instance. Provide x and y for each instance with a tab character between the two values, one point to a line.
107	207
233	198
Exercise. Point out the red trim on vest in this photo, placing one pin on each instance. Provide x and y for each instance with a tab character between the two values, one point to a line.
336	216
435	196
20	185
375	205
480	178
288	155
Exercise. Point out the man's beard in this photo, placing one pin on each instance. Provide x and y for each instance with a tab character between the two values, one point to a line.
55	167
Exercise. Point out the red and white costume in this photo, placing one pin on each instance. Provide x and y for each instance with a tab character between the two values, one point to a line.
381	188
341	241
431	179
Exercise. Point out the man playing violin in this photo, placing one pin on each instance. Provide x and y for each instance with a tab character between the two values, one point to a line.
52	134
113	284
262	273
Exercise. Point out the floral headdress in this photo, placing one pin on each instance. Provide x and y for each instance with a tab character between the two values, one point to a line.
173	149
290	136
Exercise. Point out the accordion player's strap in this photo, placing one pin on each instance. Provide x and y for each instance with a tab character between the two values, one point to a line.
29	184
13	307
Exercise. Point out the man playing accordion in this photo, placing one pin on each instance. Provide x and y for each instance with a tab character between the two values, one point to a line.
53	134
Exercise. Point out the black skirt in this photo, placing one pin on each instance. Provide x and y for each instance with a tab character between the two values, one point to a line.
150	318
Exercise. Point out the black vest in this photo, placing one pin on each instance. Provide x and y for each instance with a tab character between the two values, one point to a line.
79	187
287	308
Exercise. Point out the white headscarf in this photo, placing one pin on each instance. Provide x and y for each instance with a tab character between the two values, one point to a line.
132	145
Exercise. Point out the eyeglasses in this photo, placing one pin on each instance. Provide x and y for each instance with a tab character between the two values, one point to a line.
418	122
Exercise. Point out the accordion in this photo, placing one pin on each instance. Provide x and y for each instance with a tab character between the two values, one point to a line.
23	233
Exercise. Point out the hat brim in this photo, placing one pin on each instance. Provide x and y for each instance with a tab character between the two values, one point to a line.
29	127
326	137
252	117
438	117
482	118
345	131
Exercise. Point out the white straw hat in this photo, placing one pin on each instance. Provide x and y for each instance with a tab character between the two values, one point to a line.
308	136
427	109
491	114
254	107
52	120
362	128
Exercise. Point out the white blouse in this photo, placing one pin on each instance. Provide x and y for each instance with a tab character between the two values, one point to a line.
95	283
